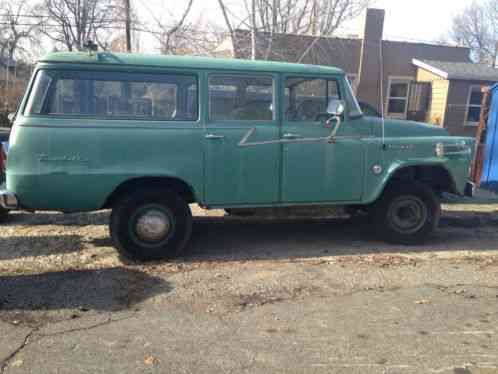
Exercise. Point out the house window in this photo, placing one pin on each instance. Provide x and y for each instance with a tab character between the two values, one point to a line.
474	101
397	99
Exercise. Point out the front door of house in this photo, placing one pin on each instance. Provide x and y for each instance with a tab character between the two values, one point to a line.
315	170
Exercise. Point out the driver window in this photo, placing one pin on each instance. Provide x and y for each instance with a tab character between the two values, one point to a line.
306	99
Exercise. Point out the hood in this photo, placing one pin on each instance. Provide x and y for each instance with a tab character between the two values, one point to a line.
402	128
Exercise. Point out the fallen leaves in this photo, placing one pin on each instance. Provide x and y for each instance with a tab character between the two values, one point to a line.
17	363
380	260
423	301
151	360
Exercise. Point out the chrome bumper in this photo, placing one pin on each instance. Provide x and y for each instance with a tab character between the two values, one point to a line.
8	200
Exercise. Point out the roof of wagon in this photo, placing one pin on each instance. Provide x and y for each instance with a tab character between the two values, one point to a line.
189	62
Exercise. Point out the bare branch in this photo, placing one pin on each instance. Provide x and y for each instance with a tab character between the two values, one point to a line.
14	32
477	28
269	18
77	21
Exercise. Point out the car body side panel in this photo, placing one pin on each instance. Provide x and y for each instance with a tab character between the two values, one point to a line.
74	165
398	153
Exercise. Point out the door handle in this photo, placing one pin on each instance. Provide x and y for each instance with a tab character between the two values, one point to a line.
214	136
291	136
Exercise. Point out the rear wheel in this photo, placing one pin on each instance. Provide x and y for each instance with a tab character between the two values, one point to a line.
3	214
406	213
151	225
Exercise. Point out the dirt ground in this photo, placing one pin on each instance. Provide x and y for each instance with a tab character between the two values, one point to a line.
250	295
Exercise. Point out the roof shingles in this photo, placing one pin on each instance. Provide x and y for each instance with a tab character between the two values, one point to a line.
459	70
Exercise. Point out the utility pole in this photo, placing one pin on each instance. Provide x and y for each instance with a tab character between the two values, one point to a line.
495	61
253	29
128	26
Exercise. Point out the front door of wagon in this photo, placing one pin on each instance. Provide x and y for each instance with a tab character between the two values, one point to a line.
315	170
241	111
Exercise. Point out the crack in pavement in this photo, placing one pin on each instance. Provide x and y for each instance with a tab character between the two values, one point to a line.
35	335
27	339
24	344
108	321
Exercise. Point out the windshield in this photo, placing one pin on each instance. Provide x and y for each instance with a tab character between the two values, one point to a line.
354	107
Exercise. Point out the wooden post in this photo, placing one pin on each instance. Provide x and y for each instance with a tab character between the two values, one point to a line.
478	161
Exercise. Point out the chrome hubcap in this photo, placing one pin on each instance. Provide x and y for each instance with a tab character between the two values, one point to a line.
408	214
153	226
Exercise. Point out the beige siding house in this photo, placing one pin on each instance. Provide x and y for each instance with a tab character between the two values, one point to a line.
439	96
456	93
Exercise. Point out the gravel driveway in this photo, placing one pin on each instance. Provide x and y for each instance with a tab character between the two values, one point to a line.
250	295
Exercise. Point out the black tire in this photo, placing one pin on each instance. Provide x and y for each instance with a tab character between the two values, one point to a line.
239	212
162	238
3	214
406	213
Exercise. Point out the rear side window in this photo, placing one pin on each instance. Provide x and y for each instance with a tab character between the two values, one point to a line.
167	97
241	98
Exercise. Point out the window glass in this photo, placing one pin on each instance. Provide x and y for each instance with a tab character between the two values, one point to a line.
474	106
354	107
165	97
474	114
39	92
475	97
398	97
399	90
397	106
306	99
241	98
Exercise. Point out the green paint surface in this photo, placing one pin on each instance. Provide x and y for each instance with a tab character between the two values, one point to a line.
75	164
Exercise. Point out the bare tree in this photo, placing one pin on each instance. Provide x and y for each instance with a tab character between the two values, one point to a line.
72	23
171	33
18	28
17	31
266	18
196	38
477	28
118	40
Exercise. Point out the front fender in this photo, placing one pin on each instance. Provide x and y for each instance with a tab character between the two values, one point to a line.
376	189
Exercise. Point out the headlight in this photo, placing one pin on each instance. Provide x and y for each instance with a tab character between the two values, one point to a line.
457	149
439	149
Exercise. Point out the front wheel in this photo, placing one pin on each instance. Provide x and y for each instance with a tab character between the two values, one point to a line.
407	213
152	224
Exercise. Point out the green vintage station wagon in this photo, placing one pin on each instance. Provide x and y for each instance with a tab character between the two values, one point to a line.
147	135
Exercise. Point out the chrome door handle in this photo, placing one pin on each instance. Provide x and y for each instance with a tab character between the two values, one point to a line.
290	136
214	136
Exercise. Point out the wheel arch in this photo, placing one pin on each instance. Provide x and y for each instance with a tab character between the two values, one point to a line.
434	175
178	185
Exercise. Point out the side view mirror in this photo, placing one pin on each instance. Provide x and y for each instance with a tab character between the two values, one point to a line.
335	107
11	117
